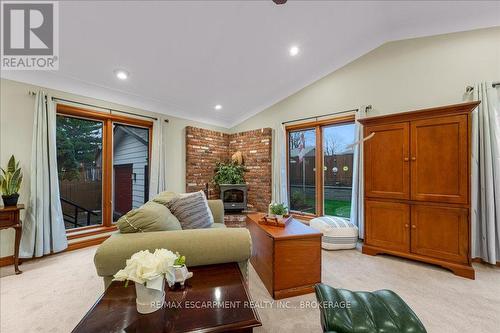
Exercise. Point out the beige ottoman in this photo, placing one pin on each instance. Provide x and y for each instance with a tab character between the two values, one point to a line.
338	233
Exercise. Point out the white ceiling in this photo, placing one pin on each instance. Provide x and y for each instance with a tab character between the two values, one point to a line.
184	57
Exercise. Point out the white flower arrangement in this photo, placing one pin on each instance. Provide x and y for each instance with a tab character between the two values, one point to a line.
145	268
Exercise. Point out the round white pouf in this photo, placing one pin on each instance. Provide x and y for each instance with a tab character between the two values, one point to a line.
338	233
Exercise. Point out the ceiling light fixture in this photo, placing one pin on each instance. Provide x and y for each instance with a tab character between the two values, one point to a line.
121	74
218	107
294	50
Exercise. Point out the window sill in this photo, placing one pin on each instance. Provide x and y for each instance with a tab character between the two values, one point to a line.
304	217
88	231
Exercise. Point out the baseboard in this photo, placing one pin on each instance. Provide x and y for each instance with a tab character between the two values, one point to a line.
86	243
9	260
6	261
460	269
481	261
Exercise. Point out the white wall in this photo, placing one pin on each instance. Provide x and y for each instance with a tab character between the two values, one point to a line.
398	76
16	127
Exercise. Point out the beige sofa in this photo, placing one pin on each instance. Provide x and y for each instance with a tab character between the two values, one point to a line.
201	246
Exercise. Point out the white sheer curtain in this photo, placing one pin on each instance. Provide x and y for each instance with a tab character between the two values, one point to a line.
158	179
357	209
280	185
43	227
485	182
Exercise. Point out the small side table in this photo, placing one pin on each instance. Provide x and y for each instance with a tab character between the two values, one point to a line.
9	218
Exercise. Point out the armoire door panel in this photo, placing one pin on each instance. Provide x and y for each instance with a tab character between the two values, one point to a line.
440	232
387	225
439	165
387	161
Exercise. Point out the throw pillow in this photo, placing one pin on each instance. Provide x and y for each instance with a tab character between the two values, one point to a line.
151	216
164	197
192	210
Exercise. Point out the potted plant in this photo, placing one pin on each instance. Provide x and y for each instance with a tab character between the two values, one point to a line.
229	173
279	209
10	182
149	272
181	273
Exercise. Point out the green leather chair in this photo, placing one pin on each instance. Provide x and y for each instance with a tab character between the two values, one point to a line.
345	311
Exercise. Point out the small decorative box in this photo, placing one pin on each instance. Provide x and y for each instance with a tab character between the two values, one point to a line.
276	221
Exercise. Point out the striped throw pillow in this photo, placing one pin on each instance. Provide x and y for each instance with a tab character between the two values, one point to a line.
192	210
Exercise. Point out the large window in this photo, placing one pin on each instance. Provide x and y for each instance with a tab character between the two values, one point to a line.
103	165
320	159
79	166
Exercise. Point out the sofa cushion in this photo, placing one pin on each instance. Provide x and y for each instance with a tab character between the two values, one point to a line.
191	210
217	208
218	225
151	216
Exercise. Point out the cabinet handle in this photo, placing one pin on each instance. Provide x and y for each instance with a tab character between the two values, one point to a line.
406	159
414	158
406	225
414	226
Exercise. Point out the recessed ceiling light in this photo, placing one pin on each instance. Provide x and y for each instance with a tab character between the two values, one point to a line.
218	107
121	74
294	50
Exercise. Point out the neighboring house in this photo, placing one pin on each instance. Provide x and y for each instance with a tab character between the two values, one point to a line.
130	166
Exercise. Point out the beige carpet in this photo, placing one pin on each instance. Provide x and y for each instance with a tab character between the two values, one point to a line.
54	293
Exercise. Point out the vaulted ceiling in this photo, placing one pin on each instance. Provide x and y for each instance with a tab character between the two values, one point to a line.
185	57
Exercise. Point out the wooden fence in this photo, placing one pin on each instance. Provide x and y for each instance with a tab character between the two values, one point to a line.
342	177
87	194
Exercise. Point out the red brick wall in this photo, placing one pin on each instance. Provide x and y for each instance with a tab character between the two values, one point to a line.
205	147
256	149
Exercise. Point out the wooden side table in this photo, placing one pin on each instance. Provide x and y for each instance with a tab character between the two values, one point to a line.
9	218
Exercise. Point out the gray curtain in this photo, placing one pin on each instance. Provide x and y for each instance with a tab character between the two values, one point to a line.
43	227
280	184
485	192
158	179
357	209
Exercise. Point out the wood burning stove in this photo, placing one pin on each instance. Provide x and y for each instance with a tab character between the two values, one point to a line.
234	196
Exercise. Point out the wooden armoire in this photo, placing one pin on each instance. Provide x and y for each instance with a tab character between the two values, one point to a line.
417	186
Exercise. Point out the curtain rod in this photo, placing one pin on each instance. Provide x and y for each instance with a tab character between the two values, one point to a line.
468	89
367	108
99	107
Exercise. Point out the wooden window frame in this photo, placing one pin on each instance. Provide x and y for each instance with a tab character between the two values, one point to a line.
318	177
108	120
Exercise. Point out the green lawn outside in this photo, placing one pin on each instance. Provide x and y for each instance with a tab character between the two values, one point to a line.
335	207
338	208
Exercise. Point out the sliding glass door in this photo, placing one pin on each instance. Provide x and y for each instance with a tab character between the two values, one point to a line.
79	168
130	168
103	165
320	160
337	169
302	171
